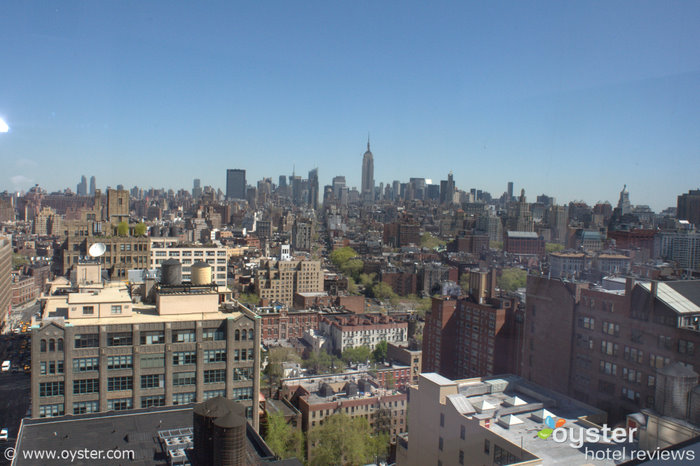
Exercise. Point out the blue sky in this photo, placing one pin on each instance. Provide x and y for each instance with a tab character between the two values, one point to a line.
572	99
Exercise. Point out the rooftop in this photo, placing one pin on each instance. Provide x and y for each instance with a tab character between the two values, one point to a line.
137	431
681	296
523	234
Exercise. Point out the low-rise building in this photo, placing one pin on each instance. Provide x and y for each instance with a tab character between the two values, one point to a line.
350	331
524	243
280	323
163	249
494	421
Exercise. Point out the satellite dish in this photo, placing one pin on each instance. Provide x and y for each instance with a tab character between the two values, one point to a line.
97	249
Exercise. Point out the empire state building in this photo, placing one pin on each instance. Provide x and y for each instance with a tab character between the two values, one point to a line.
367	192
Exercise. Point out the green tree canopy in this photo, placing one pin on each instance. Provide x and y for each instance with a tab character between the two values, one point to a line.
322	362
382	290
360	354
379	353
275	359
429	241
140	229
342	255
249	299
353	267
283	439
553	247
511	279
366	280
344	440
123	229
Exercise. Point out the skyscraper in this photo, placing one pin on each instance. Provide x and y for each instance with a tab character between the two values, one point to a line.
510	191
82	186
197	188
93	186
367	192
313	188
235	184
624	203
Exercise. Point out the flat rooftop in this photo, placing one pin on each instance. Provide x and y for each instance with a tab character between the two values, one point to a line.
515	408
135	431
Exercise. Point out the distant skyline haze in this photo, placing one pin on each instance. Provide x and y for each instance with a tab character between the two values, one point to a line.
573	100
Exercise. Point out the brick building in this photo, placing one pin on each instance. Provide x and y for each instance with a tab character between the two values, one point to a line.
604	348
524	243
352	330
281	324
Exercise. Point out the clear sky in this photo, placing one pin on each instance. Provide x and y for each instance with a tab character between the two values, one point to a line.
571	99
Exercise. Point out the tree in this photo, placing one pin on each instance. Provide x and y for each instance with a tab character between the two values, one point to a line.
360	354
464	282
342	255
284	440
123	229
353	267
553	247
382	290
352	286
496	244
321	362
19	260
379	353
140	229
344	440
366	280
511	279
249	299
429	241
276	357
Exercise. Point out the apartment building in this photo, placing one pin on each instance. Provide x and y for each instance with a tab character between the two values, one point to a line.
283	323
278	281
525	243
402	354
162	249
355	395
122	253
94	350
609	344
352	330
463	338
490	421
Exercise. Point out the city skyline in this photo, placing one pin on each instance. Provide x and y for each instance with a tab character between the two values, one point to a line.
569	100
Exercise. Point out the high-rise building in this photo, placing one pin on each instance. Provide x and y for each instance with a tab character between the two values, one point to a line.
367	192
93	185
624	203
82	186
313	188
235	184
338	185
197	188
689	207
447	189
278	281
510	191
117	205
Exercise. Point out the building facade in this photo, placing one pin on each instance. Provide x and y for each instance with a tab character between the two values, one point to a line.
278	281
96	351
162	249
353	330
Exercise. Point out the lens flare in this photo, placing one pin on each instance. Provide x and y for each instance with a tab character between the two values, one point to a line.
3	126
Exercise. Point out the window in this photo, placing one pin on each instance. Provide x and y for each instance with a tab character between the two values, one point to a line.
184	378
184	357
152	338
52	345
609	348
115	384
183	398
587	322
184	336
608	368
664	342
120	404
213	394
462	432
215	376
245	393
213	334
152	401
85	407
51	389
686	347
59	344
440	443
152	381
242	373
42	346
651	381
85	364
487	447
51	410
251	335
88	310
501	456
149	361
86	386
657	362
119	339
611	328
116	309
461	457
119	362
218	355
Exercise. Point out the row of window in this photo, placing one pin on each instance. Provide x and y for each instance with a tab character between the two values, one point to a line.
147	338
